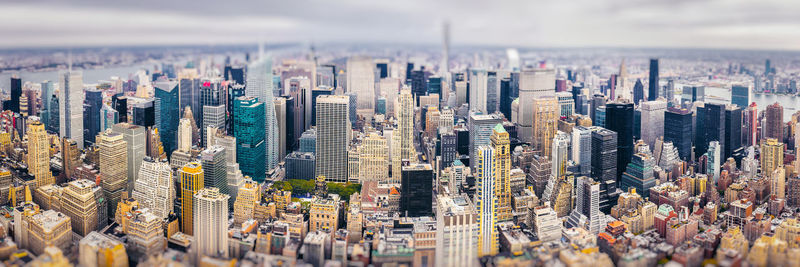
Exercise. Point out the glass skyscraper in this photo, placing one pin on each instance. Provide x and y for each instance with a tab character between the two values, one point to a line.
167	94
249	129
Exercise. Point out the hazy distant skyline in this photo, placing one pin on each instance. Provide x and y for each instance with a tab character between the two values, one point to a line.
735	24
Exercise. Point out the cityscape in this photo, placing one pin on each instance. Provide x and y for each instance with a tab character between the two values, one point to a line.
428	140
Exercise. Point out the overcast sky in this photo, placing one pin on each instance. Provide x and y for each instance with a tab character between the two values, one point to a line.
739	24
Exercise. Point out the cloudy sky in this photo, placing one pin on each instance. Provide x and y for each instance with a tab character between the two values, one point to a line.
738	24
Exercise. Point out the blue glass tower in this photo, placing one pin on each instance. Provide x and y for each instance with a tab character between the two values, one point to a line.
249	128
167	95
91	115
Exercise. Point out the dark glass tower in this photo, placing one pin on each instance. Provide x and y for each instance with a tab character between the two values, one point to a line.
619	118
604	166
91	115
119	102
250	133
16	92
733	130
678	130
505	98
710	126
653	85
416	190
167	94
638	92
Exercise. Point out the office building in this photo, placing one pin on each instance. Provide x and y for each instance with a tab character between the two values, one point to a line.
210	223
710	126
91	116
361	81
485	189
97	249
750	126
332	137
639	174
733	130
39	154
281	118
249	131
652	121
144	113
215	169
773	125
134	137
678	131
166	92
740	95
113	166
79	203
587	213
373	154
260	86
48	228
533	84
248	197
191	177
546	226
771	155
416	190
456	230
622	124
146	234
70	109
604	166
653	82
545	117
155	188
213	118
480	132
300	165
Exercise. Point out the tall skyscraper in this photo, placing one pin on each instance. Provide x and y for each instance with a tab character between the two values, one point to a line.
113	166
639	174
333	126
260	86
416	190
485	190
373	156
750	126
47	95
653	83
444	69
604	166
215	168
155	188
39	154
709	126
587	213
502	170
191	176
456	231
361	80
638	92
545	118
280	115
249	131
91	116
533	84
621	121
773	126
211	223
480	132
740	95
714	156
134	136
79	203
16	92
678	130
652	121
167	93
771	155
71	105
214	117
733	130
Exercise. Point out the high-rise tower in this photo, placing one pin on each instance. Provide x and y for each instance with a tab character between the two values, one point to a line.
39	154
333	126
191	176
71	105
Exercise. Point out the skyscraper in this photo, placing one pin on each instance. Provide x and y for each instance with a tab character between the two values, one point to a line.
740	95
733	130
39	154
621	121
639	174
16	92
333	126
750	126
79	203
485	190
771	155
604	166
456	231
211	223
587	213
713	155
113	166
502	171
155	188
545	118
361	80
652	121
416	190
214	117
678	130
249	131
480	132
710	126
167	93
191	176
71	106
773	126
215	168
533	84
638	92
259	85
91	116
134	137
653	83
